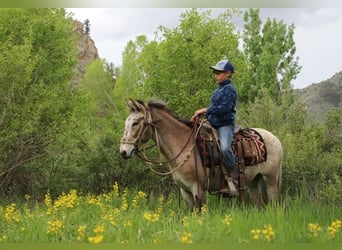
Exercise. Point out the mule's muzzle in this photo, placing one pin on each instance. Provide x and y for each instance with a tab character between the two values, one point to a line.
125	155
127	151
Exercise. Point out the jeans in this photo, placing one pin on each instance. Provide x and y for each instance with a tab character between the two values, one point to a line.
225	134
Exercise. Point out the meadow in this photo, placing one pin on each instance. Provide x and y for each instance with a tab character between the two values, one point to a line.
131	216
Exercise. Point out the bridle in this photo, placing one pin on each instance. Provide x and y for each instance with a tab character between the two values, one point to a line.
149	123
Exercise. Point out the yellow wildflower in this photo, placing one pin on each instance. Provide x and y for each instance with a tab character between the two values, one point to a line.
96	239
99	229
128	223
334	228
186	237
81	230
67	200
204	209
153	217
98	235
124	204
116	189
55	227
47	200
106	197
185	222
155	240
268	233
110	218
142	195
314	229
171	213
116	212
256	234
90	200
11	214
227	219
135	203
3	238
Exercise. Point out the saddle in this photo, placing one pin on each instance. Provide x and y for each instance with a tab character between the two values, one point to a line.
247	145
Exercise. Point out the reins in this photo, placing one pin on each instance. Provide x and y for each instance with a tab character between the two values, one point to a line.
150	163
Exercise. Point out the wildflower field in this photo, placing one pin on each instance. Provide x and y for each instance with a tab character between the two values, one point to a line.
130	216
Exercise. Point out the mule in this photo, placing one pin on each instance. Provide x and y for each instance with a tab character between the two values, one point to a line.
175	138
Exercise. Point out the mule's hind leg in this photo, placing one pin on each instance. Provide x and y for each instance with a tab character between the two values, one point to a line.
272	188
256	193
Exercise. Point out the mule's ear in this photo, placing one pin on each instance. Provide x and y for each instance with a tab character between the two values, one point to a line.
130	104
139	105
133	105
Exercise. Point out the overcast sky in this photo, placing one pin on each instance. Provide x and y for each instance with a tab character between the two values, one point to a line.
317	35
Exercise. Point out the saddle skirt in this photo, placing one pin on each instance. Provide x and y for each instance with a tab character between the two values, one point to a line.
248	146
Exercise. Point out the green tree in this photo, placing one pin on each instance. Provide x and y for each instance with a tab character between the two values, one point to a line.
175	66
37	60
270	50
87	26
132	73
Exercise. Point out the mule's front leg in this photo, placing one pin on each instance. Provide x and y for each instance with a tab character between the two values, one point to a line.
188	198
193	200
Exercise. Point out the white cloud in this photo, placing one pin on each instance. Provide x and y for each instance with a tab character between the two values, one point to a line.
318	41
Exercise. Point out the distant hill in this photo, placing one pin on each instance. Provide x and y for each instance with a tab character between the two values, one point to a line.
321	97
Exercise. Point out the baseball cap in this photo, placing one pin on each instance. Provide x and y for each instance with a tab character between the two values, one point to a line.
223	65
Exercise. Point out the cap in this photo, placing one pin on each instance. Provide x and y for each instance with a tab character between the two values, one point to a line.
223	65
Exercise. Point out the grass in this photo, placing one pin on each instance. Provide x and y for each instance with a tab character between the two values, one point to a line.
130	216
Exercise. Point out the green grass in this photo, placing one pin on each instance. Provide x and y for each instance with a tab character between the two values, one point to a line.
129	216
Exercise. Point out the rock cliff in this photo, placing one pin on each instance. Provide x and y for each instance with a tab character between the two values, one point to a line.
87	51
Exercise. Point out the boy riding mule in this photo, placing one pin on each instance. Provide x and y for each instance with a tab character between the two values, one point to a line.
176	140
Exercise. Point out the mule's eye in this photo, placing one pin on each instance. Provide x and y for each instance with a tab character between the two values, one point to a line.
135	124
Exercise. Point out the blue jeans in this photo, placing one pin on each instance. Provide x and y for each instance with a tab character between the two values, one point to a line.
225	134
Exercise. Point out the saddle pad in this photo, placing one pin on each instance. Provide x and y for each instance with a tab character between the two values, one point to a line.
259	143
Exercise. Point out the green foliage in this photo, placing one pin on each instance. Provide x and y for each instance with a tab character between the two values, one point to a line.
270	50
102	117
312	162
128	215
175	67
37	59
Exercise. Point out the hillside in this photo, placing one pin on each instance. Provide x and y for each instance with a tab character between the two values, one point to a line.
321	97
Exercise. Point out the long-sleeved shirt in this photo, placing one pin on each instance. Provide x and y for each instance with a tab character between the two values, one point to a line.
222	109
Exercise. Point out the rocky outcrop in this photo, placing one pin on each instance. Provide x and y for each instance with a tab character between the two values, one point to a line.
87	51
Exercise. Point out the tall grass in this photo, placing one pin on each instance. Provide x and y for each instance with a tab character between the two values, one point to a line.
130	216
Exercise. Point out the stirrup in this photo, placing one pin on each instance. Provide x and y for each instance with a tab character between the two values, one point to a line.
233	191
230	189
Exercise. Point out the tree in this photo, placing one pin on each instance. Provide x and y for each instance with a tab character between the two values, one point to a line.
87	26
175	66
270	51
37	59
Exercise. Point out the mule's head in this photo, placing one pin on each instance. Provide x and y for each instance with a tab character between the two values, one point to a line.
138	129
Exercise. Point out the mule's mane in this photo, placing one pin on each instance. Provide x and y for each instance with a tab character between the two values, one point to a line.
160	105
